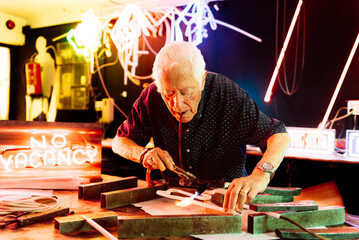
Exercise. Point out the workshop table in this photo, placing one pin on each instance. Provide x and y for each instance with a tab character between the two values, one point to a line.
46	230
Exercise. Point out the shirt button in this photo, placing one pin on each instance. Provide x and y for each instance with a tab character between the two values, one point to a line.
188	150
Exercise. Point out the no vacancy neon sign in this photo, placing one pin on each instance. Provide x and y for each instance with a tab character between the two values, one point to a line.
44	149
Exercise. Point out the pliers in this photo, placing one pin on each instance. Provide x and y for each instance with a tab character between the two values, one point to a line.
186	179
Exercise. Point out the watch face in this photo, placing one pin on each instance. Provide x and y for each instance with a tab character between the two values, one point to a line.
267	167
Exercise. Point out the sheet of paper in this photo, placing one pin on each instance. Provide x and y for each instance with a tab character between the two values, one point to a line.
164	206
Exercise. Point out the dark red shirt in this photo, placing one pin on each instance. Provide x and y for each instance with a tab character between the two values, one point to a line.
214	142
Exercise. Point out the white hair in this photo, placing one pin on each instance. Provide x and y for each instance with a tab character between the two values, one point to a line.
182	59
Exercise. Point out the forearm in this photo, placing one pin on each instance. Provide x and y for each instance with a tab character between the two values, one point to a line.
127	148
277	146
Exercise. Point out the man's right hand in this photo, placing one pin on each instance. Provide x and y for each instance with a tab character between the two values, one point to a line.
157	158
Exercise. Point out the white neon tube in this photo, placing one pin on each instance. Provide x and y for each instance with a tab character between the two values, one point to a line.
167	194
267	97
99	228
238	30
340	82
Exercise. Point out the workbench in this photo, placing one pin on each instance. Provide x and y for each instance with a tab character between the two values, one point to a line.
67	198
46	230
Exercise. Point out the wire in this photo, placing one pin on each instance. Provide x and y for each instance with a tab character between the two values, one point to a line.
106	65
331	122
340	118
355	121
105	89
180	141
303	228
336	114
27	205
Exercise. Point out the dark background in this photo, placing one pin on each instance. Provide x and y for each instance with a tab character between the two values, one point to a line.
326	34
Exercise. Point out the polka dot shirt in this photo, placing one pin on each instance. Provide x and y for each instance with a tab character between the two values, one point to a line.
214	142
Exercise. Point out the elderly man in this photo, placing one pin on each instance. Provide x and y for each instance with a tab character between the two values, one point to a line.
218	120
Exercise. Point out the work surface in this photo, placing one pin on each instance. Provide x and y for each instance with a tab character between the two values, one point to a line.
47	231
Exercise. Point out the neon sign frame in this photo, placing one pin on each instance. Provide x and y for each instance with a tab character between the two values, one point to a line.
50	149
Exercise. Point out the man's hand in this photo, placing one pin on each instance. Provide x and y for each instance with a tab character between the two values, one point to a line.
157	158
243	190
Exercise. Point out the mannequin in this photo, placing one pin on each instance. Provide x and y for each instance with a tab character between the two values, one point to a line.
38	107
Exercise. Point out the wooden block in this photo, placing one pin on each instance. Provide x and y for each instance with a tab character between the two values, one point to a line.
304	205
330	233
75	223
283	191
184	225
42	216
218	199
325	216
120	198
268	198
109	183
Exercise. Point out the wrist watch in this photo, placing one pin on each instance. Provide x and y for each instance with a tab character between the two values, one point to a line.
266	167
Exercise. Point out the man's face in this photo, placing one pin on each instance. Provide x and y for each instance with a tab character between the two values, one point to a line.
182	95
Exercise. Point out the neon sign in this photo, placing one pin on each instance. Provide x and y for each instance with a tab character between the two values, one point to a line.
44	149
311	140
42	155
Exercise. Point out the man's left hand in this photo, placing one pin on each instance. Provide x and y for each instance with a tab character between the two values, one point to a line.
243	190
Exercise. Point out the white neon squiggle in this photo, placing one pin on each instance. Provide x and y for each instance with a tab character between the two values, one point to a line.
200	16
125	34
134	23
